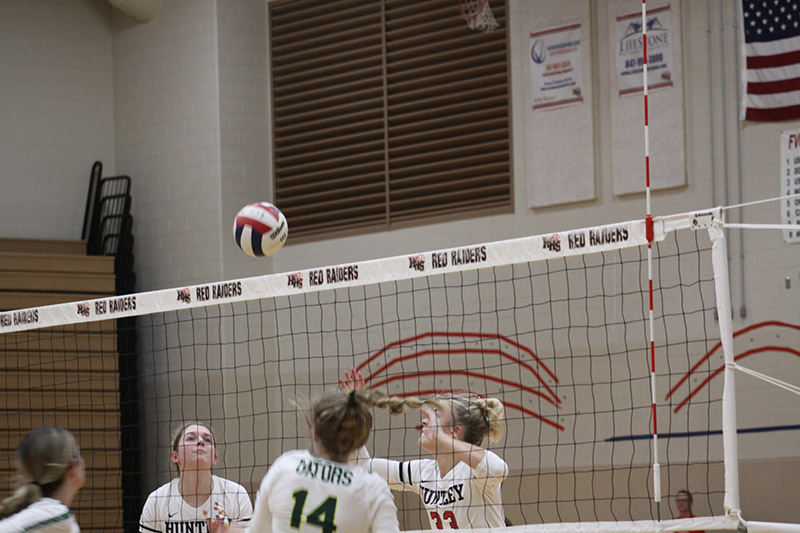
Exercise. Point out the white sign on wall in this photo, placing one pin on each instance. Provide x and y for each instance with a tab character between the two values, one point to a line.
630	60
555	60
790	183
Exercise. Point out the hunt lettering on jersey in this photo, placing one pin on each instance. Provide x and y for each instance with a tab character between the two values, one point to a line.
443	497
325	471
188	526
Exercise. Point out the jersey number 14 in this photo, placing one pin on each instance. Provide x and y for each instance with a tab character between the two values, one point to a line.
322	516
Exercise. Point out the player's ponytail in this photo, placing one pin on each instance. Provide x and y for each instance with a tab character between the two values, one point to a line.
43	458
495	413
342	422
478	417
397	405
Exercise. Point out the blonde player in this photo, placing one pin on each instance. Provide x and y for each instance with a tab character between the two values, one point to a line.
460	486
196	501
317	491
51	471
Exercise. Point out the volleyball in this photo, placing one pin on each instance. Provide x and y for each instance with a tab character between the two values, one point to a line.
260	229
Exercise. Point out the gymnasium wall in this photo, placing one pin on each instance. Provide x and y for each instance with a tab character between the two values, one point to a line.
56	104
167	117
181	104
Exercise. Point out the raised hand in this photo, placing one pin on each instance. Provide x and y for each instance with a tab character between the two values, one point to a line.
353	380
218	523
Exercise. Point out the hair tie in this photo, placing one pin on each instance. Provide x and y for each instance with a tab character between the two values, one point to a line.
351	398
49	487
484	409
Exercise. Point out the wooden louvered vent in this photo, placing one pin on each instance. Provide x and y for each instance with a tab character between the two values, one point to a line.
387	111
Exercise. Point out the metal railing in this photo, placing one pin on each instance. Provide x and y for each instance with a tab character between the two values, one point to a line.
108	230
108	224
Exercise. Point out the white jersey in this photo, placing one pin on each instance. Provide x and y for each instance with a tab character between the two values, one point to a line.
165	510
304	493
464	497
45	516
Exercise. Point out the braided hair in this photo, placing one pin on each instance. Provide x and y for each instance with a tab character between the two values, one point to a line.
343	420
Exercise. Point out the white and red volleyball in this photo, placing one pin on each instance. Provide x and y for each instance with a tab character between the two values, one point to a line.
260	229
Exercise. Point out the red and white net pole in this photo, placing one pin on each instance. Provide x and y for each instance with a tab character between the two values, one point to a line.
649	226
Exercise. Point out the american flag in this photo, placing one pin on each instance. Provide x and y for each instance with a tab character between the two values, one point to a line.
772	52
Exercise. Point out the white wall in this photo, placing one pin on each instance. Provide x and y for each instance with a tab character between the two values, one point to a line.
244	141
167	107
190	98
56	113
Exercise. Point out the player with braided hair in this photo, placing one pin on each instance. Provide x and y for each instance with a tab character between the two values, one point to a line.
313	491
460	487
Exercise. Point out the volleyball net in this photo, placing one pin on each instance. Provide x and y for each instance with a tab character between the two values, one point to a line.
555	326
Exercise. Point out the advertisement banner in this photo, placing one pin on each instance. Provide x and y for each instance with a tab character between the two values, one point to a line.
556	67
630	61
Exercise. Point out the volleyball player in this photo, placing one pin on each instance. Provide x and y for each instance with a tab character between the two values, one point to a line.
460	486
196	501
51	472
317	491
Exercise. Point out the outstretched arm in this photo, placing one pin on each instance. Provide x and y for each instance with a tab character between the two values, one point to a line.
398	474
383	467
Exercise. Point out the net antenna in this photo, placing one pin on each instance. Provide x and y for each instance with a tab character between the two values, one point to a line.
649	232
478	15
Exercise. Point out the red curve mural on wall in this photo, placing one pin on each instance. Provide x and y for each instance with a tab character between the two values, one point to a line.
717	346
373	382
